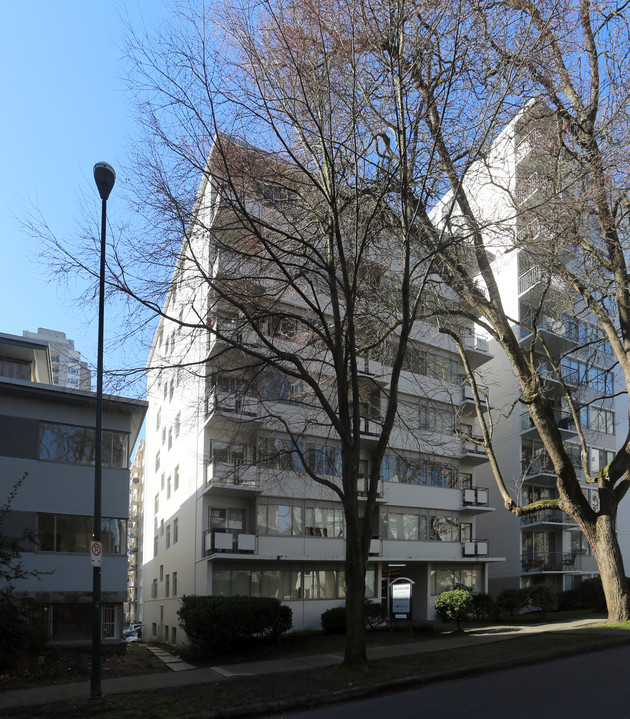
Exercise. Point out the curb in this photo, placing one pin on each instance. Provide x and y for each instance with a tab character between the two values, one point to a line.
395	685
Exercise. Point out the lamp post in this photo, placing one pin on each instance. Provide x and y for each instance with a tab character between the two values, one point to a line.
104	176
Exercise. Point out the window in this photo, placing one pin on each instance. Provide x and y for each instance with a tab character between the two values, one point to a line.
163	435
109	621
70	444
161	572
168	488
155	545
154	586
280	454
161	528
433	418
228	452
175	530
158	418
447	577
422	472
598	419
168	536
73	533
173	635
176	479
170	438
174	586
324	522
167	586
177	424
171	389
280	388
157	461
163	481
282	519
226	518
156	504
153	624
325	460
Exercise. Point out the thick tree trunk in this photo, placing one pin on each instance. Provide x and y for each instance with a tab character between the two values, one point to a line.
355	652
603	540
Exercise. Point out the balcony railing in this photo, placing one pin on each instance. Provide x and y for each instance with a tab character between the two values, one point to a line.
554	516
231	403
541	464
233	472
551	562
475	548
473	341
564	420
476	497
228	541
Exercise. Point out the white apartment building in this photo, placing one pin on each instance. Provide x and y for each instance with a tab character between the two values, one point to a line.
511	189
47	432
133	608
228	507
68	369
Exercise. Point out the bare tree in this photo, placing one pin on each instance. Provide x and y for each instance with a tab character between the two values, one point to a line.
560	199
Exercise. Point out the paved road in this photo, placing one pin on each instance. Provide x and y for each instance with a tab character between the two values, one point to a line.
589	685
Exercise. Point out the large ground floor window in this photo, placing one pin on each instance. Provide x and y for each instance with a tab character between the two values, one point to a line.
286	583
448	576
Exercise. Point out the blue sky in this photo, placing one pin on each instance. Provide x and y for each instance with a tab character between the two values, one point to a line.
65	108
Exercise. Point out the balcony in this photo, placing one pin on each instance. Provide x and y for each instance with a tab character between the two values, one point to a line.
559	336
539	466
475	548
564	420
537	278
538	562
231	404
231	476
230	541
532	140
548	516
475	497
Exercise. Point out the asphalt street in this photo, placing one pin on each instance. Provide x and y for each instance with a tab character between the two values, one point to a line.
588	685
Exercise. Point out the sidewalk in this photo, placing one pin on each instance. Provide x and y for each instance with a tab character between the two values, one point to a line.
184	674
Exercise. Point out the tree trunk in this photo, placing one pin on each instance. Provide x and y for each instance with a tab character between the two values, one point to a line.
355	652
603	541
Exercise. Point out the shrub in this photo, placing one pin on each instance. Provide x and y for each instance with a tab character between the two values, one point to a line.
22	628
568	600
591	594
455	604
483	608
513	601
542	597
219	622
334	620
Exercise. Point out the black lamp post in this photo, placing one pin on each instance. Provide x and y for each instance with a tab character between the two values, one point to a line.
104	176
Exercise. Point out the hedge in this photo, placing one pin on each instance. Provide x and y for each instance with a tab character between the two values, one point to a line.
219	622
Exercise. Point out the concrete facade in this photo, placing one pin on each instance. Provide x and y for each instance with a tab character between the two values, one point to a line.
48	434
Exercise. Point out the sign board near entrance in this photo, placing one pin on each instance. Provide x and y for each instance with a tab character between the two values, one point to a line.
401	600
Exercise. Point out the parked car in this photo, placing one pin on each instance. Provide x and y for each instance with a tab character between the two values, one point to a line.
133	633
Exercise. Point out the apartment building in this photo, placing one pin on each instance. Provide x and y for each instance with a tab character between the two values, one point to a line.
48	434
524	191
133	608
68	369
229	508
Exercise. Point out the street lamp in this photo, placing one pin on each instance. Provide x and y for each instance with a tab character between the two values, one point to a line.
104	176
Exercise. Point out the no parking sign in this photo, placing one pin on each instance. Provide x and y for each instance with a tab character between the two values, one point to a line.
96	553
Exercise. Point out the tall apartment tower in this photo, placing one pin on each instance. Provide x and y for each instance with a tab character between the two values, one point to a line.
514	191
133	609
68	369
229	509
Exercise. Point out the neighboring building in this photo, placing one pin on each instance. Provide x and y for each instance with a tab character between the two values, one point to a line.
68	369
133	610
227	512
511	189
47	433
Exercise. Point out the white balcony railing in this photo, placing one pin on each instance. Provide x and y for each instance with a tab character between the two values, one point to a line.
230	541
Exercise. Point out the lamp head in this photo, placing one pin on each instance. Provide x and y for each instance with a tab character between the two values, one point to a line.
104	176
